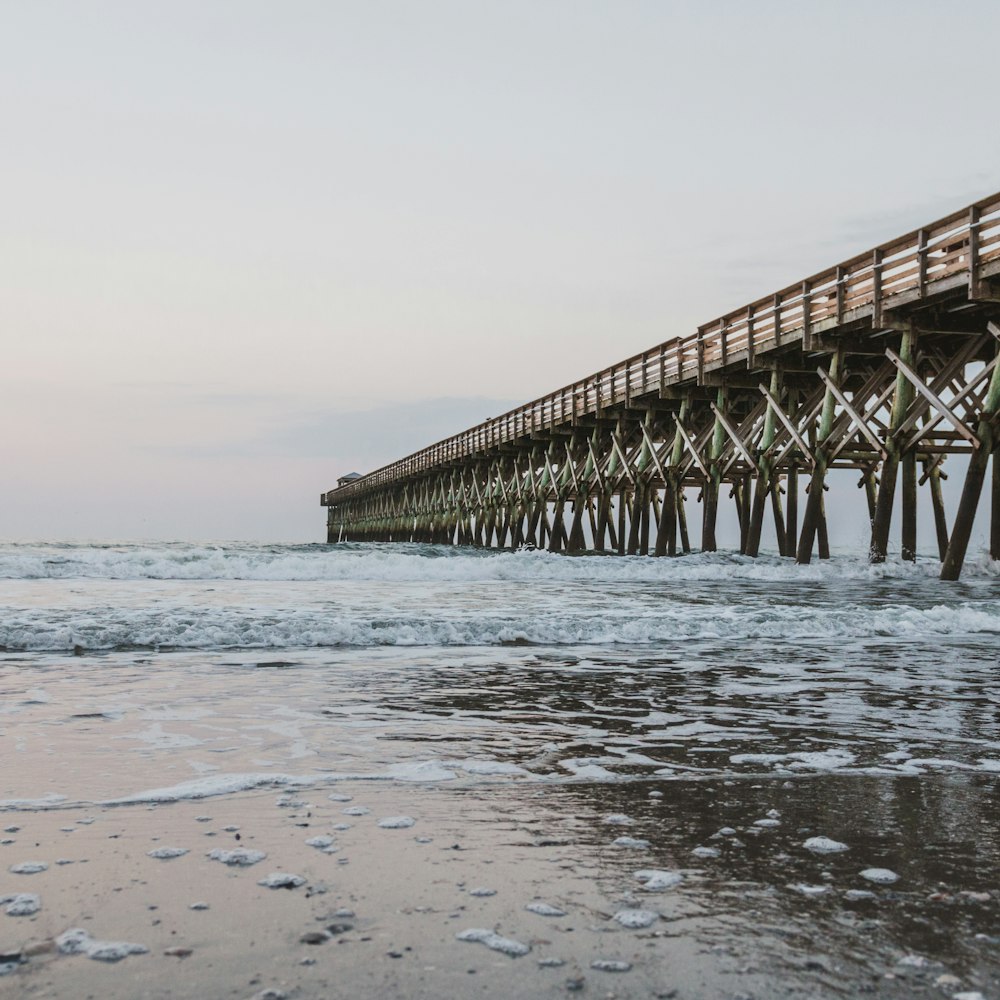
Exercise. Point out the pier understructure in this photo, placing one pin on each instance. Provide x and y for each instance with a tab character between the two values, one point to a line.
885	365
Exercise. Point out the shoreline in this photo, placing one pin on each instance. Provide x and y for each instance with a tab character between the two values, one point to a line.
380	911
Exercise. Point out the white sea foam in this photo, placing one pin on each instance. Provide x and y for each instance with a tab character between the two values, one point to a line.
880	876
417	563
64	629
487	767
167	853
77	941
636	919
21	904
810	890
178	621
238	857
658	879
218	784
824	845
610	965
281	880
481	935
630	843
396	822
425	770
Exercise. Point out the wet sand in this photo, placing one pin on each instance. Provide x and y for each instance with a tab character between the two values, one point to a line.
380	914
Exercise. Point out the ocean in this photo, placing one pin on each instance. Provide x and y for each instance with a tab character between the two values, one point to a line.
728	710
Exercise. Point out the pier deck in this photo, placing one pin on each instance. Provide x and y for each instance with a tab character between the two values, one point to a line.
885	364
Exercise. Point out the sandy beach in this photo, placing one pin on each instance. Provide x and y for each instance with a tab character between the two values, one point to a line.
551	904
379	912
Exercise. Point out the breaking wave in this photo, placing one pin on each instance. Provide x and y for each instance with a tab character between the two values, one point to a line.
48	630
414	563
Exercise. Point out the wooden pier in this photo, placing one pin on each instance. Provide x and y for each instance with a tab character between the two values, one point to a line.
885	364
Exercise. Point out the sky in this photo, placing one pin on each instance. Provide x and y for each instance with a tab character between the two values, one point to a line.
248	247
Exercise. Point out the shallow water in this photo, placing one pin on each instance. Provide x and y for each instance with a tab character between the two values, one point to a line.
690	696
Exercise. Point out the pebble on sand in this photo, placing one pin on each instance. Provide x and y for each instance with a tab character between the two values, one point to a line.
480	891
544	910
508	946
241	856
165	853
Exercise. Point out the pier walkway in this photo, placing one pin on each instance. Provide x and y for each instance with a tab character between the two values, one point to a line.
885	364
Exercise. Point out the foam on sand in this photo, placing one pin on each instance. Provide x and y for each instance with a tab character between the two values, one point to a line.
481	935
77	941
29	867
239	857
217	784
636	919
631	843
824	845
658	879
21	904
281	880
610	965
167	853
880	876
396	822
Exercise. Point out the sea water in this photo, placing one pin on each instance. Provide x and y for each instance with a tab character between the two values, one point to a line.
733	713
428	663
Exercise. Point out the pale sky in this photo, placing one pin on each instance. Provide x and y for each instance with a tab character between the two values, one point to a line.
247	247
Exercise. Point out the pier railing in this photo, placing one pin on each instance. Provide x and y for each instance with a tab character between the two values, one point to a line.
962	248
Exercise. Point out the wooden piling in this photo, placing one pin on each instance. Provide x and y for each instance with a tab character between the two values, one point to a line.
958	543
890	466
